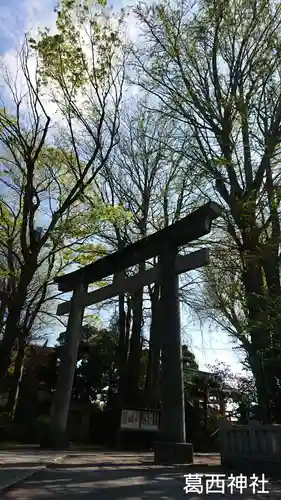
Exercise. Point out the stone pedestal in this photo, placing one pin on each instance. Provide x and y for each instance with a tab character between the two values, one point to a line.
168	453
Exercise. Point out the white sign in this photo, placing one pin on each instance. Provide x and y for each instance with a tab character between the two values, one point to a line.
138	419
149	420
130	419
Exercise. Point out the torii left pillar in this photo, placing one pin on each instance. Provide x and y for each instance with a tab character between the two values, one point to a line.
57	431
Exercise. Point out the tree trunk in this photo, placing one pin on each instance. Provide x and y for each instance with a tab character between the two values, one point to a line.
205	405
153	364
124	323
272	358
17	377
258	320
258	369
122	331
135	346
11	333
122	349
12	328
222	405
3	307
128	325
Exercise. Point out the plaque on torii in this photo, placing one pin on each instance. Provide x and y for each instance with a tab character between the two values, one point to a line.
172	446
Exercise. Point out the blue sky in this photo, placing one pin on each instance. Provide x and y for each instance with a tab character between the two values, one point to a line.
20	16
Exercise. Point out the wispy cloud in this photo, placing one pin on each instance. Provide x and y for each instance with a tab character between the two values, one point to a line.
20	16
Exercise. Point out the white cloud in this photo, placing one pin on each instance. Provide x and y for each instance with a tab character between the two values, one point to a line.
8	24
27	15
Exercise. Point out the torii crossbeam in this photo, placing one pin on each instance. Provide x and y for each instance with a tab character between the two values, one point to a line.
172	446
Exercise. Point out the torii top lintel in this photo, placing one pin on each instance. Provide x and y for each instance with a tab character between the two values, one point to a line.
188	229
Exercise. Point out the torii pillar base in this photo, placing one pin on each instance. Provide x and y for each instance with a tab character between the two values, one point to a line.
166	453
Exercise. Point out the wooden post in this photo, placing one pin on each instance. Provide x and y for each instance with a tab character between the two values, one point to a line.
172	426
67	369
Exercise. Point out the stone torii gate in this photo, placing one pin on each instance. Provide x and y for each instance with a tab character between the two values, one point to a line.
172	446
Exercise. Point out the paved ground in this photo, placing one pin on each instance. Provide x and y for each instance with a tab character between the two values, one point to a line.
110	476
19	463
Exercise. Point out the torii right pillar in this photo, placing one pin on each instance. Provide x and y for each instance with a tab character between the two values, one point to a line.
172	447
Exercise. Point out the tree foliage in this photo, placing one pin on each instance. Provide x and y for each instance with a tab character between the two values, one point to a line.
48	163
215	67
96	374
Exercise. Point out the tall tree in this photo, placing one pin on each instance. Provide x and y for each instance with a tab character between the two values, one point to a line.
147	178
45	168
215	67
